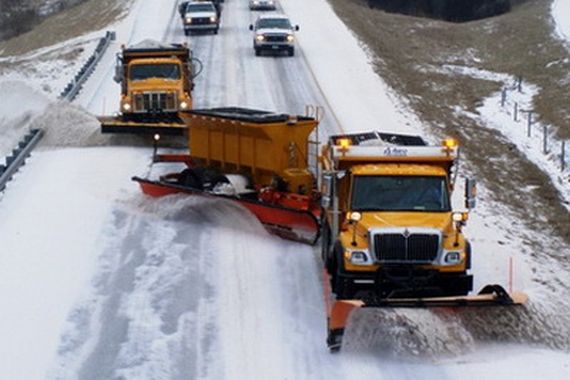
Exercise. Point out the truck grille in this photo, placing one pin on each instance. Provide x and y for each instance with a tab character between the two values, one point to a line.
406	248
201	20
271	38
156	102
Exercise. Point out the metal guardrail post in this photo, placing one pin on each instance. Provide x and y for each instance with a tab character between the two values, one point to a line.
19	155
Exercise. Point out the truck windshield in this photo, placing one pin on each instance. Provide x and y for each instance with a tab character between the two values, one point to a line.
191	8
273	23
163	71
400	193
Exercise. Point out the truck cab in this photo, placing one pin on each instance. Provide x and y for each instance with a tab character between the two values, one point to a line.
389	229
156	80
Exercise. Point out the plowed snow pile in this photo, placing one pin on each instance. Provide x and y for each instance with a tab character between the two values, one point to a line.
443	331
69	125
20	103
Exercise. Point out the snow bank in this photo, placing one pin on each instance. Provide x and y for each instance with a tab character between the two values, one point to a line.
20	103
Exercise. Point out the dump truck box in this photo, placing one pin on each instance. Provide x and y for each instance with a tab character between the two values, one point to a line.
255	158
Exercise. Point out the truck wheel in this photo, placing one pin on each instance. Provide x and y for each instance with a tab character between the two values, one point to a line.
215	31
189	179
291	52
186	32
340	286
257	52
325	247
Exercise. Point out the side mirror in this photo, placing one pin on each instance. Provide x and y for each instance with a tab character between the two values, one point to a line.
297	28
470	193
118	74
327	190
250	27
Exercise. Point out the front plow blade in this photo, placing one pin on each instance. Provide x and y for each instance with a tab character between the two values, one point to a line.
339	311
111	124
288	223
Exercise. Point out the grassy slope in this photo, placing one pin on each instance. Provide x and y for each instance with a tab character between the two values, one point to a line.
83	18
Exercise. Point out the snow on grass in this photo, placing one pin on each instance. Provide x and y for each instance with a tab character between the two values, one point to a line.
561	15
508	112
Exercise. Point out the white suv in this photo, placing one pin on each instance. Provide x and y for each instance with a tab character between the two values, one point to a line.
274	33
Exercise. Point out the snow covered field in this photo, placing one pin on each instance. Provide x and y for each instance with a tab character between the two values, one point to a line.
101	282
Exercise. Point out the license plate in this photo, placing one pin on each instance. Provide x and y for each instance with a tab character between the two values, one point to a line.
275	46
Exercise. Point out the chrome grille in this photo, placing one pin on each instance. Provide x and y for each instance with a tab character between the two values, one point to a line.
155	102
406	248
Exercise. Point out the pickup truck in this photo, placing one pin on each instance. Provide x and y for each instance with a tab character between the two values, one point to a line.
273	33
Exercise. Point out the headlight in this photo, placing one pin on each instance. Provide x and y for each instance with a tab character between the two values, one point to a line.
126	106
188	20
183	105
213	19
260	37
290	38
452	257
358	257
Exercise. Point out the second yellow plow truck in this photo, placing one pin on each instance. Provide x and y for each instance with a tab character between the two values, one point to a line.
156	89
389	235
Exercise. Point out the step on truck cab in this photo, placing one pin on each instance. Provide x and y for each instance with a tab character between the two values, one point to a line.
388	225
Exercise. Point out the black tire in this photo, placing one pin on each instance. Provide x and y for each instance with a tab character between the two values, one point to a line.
215	31
468	253
328	262
186	32
291	52
340	285
189	179
257	52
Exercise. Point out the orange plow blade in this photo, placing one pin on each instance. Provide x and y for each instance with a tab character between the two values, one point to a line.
339	311
286	222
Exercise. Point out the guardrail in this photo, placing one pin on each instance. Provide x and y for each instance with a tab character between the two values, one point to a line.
25	146
74	86
18	156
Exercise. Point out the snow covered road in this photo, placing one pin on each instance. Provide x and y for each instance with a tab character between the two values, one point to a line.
101	282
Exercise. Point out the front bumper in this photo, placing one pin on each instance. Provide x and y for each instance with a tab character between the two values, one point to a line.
198	27
275	46
407	282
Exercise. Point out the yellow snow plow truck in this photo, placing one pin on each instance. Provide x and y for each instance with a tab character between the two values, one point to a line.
156	89
389	235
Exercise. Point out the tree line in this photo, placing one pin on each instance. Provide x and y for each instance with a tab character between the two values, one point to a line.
450	10
20	16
